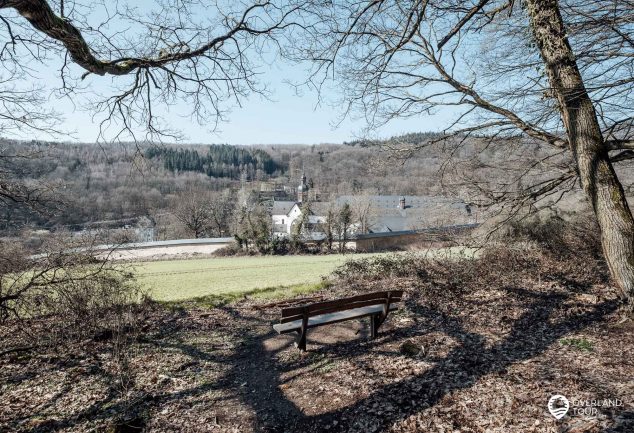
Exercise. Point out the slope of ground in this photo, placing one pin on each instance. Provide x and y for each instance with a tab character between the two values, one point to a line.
175	280
498	336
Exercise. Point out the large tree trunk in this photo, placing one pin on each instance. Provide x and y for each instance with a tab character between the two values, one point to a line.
597	175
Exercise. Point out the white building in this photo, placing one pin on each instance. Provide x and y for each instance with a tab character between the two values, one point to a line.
287	213
381	213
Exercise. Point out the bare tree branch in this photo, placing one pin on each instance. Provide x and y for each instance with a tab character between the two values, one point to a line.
464	20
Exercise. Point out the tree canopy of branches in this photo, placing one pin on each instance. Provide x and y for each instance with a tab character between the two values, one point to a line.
204	212
557	72
125	62
201	53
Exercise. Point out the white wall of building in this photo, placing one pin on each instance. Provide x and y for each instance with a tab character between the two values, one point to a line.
287	221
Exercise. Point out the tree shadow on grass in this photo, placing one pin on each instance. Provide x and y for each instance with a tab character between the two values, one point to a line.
256	365
530	335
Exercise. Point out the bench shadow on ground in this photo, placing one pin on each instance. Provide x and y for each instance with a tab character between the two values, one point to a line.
255	361
256	364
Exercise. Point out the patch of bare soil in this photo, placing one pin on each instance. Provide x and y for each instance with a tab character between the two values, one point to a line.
482	357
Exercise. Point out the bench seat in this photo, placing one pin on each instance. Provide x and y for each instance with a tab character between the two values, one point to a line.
325	319
376	306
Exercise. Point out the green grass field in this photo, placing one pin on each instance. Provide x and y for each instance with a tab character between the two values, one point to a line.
216	280
177	280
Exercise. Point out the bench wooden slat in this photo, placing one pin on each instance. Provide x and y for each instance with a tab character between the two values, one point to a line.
379	296
322	319
351	306
291	311
396	295
291	318
342	307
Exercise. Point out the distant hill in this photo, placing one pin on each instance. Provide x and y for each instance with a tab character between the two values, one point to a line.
121	181
216	161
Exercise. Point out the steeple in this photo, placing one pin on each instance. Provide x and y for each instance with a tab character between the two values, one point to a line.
302	190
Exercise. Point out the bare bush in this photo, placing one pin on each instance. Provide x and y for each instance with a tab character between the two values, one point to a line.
70	291
578	237
539	252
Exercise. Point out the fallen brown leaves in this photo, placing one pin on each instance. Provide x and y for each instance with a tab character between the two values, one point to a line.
497	340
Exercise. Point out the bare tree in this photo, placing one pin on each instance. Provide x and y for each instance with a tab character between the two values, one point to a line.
548	71
221	207
194	210
71	289
329	225
364	212
154	54
343	226
203	54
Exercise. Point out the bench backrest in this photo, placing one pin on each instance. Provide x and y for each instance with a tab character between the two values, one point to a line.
367	299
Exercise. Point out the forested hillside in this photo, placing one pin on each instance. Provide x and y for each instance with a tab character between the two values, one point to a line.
117	184
217	161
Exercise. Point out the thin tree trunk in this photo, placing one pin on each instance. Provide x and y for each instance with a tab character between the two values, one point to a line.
597	175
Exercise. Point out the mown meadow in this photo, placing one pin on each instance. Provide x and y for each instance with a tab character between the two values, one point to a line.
226	278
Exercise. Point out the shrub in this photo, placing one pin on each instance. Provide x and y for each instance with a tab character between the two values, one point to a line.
231	250
579	236
276	246
70	291
383	266
553	250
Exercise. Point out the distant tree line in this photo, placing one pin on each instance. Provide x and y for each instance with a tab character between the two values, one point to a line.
104	188
221	160
409	138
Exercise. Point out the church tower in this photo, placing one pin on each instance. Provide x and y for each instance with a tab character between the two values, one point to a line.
302	190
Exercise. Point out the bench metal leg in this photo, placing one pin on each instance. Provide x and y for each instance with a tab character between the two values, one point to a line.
301	343
375	322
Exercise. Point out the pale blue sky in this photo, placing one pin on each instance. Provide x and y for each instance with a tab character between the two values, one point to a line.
287	118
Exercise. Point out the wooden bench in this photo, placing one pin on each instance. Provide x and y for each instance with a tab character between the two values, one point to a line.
375	305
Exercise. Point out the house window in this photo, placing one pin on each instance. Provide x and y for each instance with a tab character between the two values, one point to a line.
282	220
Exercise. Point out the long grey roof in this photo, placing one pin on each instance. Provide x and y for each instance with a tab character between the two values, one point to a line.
282	207
411	201
389	217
